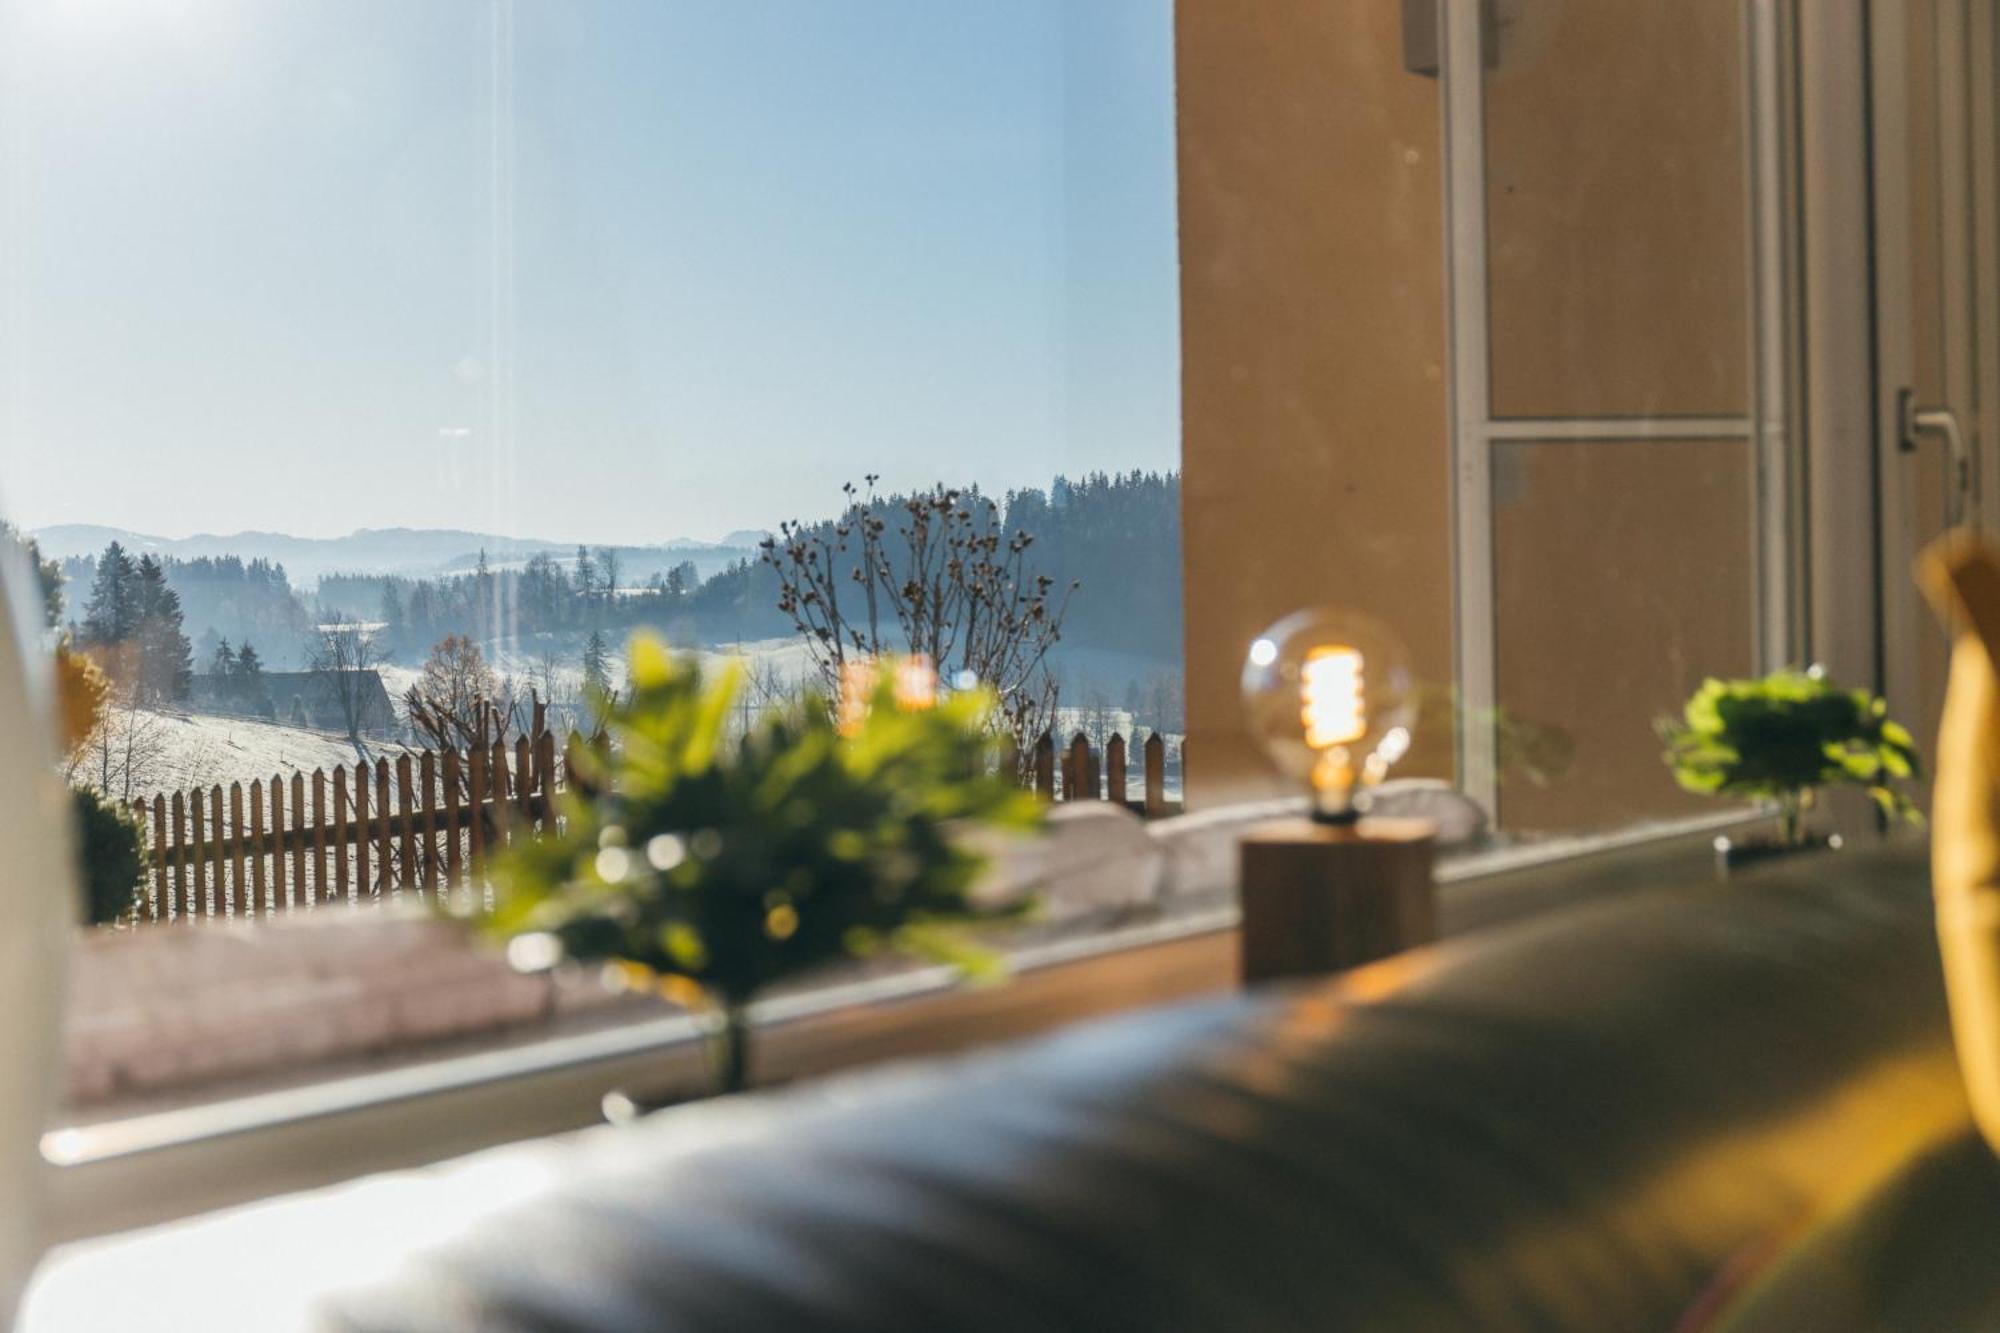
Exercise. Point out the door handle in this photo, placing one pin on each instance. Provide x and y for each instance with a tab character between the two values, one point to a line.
1913	423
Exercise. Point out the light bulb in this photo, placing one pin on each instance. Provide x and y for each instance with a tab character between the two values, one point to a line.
1329	696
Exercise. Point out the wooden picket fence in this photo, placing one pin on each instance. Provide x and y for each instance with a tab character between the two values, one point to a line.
419	822
424	822
1083	772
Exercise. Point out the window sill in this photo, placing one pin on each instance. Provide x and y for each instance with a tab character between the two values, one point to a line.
151	1168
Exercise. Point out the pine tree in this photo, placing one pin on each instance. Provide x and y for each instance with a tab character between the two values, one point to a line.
165	659
112	615
596	666
223	661
250	687
392	612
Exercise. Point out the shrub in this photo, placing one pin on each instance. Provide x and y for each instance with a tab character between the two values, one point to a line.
1781	737
111	857
722	869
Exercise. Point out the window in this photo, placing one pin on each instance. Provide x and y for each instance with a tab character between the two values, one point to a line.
486	333
363	351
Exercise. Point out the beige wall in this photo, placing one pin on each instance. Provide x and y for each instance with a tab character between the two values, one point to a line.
1314	327
1313	335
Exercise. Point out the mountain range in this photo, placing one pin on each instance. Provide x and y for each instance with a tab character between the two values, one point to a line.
416	552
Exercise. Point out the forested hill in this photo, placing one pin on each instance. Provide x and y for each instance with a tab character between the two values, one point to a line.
1116	536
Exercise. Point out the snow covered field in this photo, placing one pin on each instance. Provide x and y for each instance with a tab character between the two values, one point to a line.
178	751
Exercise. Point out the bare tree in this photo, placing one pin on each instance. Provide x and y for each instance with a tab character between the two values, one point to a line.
550	681
766	686
127	754
343	653
458	702
950	584
608	572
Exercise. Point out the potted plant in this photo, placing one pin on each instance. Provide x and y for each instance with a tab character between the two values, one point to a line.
1781	738
710	868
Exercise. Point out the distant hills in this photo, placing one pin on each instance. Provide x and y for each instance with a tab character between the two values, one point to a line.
410	551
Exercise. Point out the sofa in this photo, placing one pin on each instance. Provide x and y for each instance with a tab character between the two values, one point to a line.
1713	1106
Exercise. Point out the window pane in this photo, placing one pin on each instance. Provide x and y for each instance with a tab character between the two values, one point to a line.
1624	575
426	352
1616	209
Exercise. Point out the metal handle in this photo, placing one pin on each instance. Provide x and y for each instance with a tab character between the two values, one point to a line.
1913	423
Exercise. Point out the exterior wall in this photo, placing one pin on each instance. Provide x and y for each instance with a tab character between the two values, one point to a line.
1315	452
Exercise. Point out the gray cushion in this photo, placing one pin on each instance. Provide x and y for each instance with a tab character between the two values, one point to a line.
1607	1119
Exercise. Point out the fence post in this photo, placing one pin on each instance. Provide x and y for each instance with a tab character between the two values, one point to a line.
163	901
340	806
143	899
323	890
362	879
218	844
385	831
406	811
1114	769
278	895
198	905
234	841
1156	776
428	770
452	864
301	887
524	781
1076	772
186	904
255	848
476	788
497	775
1045	766
545	779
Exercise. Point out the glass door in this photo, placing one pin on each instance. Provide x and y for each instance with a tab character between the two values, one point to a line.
1931	66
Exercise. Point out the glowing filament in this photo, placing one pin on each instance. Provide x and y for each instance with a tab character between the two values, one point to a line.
1332	703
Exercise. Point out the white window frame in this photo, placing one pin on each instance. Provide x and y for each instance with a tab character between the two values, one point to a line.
1775	521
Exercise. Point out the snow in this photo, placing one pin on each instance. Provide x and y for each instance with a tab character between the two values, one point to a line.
199	750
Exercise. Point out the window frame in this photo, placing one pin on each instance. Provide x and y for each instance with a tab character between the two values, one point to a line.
1776	523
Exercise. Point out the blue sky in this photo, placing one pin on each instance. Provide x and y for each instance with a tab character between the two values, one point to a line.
626	271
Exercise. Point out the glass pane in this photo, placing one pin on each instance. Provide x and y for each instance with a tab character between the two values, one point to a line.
1624	575
426	352
1616	210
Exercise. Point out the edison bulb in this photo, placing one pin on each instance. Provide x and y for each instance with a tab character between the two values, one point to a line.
1329	696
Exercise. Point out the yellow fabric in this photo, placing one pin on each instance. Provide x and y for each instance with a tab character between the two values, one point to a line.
1961	576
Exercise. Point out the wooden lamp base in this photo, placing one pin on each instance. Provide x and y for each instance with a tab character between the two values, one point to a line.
1320	898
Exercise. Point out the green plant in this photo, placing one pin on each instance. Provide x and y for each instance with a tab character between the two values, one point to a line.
111	854
728	867
1781	737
